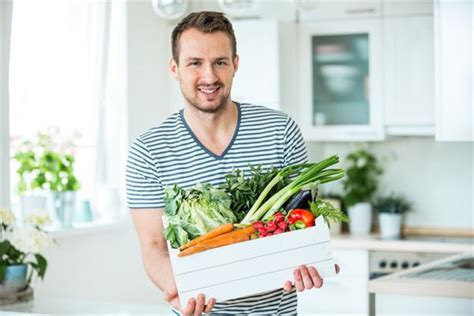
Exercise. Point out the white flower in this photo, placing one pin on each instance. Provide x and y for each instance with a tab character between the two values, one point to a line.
29	240
361	162
38	219
6	217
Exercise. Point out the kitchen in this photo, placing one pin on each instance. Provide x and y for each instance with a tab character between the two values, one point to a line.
417	139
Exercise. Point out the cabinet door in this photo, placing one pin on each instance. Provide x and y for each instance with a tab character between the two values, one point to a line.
345	293
453	70
340	80
257	79
408	75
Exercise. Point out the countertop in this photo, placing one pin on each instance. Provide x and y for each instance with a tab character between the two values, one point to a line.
373	242
81	307
398	283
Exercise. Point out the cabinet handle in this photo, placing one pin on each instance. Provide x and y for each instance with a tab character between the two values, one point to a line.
360	11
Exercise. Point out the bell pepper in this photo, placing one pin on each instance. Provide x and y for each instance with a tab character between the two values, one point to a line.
301	218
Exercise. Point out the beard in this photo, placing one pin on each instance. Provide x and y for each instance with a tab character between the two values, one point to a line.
217	105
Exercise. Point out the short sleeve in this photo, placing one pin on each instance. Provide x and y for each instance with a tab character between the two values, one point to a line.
143	185
294	146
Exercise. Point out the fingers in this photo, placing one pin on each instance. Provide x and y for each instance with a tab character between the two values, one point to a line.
298	280
307	280
210	305
197	306
287	287
315	277
190	307
200	302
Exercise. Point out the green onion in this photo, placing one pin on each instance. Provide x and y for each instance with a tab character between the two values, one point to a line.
308	175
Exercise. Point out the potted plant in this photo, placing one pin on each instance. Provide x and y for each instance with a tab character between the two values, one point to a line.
46	169
20	251
360	185
391	209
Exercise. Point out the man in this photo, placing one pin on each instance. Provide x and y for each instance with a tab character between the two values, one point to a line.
202	143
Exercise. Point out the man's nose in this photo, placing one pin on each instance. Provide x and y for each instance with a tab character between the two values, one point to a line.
208	75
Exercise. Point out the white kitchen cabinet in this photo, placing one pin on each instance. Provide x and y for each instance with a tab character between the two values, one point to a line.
453	32
340	80
407	8
258	79
345	293
408	74
328	10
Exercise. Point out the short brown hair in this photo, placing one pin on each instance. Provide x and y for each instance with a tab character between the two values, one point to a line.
206	22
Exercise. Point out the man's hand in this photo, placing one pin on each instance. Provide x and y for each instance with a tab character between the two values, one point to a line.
306	278
195	306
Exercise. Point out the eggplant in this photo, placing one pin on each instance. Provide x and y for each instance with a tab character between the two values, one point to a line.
300	200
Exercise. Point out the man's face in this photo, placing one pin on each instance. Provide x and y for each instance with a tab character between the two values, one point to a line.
205	69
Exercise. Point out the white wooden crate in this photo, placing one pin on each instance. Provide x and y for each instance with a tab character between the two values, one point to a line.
252	266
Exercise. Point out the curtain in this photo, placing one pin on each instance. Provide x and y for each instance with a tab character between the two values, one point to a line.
5	30
112	95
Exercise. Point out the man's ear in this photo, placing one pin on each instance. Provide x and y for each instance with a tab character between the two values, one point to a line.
173	67
236	63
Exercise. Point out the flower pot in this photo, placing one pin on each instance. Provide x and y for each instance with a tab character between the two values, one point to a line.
360	216
63	207
15	279
390	225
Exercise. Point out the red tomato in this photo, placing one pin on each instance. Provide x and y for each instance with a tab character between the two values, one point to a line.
302	215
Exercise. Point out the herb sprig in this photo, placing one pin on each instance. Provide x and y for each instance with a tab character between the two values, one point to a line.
245	190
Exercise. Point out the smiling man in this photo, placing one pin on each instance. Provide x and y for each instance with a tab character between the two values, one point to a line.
202	143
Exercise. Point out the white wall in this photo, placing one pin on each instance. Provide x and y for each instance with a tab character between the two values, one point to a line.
103	266
435	176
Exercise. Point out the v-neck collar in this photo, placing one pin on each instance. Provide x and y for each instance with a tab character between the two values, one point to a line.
229	146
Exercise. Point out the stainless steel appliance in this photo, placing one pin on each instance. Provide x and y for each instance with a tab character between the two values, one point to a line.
386	262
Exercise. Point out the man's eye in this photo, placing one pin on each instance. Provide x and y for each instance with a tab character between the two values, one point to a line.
195	63
221	63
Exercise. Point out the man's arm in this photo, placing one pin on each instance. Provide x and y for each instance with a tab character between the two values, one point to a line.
149	226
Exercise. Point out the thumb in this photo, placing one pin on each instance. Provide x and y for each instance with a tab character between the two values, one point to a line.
170	292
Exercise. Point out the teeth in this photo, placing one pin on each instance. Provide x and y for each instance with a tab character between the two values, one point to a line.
208	91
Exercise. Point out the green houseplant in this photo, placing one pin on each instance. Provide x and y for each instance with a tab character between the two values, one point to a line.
20	250
360	185
391	209
45	168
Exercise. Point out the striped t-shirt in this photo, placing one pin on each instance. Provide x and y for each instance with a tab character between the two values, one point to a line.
171	154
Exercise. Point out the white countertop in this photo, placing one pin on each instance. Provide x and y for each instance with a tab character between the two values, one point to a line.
398	283
81	307
373	242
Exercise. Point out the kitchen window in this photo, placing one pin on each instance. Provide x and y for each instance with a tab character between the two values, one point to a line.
67	76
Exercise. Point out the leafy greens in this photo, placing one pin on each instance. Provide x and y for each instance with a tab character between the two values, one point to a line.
195	211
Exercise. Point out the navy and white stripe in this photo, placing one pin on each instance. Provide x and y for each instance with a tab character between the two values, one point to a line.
171	154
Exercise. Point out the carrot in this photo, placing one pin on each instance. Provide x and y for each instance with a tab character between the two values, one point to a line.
233	237
225	228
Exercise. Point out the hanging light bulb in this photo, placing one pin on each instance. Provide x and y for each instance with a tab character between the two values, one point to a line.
170	9
239	8
305	4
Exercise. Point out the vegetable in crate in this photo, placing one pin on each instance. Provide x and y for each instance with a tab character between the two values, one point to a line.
244	191
194	212
307	176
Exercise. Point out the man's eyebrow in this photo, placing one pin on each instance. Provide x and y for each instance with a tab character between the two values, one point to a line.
193	58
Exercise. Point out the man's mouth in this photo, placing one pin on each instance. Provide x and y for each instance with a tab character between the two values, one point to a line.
209	91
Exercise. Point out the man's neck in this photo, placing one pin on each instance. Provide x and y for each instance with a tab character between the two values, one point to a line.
213	130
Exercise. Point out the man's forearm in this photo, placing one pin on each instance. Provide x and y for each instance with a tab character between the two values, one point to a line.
158	266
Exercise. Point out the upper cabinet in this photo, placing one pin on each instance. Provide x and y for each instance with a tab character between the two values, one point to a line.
248	85
453	70
341	80
408	75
